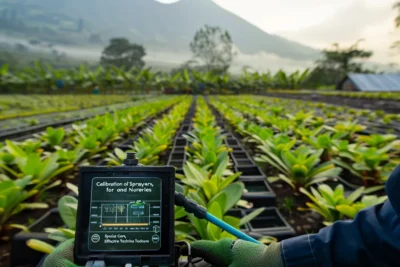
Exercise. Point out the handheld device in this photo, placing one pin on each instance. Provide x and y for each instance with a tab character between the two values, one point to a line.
126	215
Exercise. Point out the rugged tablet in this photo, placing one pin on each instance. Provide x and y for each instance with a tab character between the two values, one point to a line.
126	215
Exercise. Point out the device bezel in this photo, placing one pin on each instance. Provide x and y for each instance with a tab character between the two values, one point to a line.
164	256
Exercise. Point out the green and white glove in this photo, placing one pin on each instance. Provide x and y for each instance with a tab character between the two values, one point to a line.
62	256
237	253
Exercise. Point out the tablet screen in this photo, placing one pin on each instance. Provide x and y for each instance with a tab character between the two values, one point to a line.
125	214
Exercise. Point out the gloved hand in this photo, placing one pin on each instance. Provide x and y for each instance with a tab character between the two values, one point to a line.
62	256
237	253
